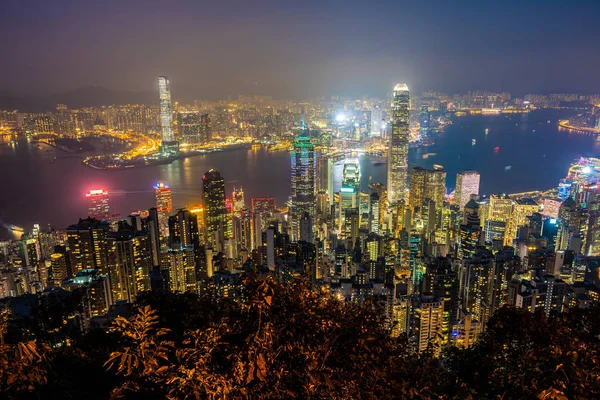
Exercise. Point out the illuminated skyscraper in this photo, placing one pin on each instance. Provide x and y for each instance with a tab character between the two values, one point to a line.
426	184
303	182
398	146
467	184
164	206
98	207
88	245
215	211
169	145
238	201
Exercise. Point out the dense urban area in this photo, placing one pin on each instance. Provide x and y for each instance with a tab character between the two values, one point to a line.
405	290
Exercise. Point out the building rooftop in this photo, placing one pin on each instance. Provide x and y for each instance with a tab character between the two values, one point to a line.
401	87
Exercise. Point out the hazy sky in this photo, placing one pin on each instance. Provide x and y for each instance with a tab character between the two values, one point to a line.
301	48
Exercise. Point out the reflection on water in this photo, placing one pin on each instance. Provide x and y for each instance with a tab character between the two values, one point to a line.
38	189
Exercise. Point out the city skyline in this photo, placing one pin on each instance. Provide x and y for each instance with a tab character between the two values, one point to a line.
246	241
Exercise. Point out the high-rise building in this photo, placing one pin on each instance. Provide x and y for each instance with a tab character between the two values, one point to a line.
133	262
303	182
98	206
238	200
428	322
169	146
164	206
215	211
88	245
263	213
467	185
188	125
398	145
424	121
325	176
427	184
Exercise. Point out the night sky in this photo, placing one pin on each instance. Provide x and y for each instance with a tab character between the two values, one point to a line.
303	48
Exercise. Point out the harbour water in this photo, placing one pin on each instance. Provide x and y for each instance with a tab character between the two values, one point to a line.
36	188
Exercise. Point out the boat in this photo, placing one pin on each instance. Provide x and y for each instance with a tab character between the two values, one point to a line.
473	141
497	149
378	163
487	131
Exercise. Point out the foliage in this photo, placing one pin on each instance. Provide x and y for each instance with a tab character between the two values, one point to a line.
291	342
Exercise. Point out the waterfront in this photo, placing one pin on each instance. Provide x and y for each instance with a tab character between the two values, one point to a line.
46	190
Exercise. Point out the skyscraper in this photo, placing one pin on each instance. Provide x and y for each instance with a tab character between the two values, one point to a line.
398	146
427	184
169	145
467	184
164	206
215	211
98	207
303	182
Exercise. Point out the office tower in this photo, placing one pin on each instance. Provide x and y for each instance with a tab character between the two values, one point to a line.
238	200
424	121
263	213
183	229
133	262
374	223
467	185
479	285
164	206
242	229
215	211
470	230
500	209
98	207
522	209
153	225
325	176
428	322
306	228
398	145
303	182
427	184
169	146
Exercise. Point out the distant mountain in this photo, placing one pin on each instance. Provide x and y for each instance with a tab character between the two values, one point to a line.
89	96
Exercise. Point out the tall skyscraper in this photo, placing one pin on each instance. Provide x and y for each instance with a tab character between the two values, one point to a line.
398	146
303	182
169	146
467	184
164	206
215	211
98	207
